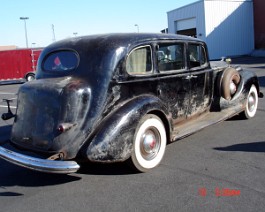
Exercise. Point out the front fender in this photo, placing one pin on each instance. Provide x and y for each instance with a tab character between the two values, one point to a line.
113	141
250	78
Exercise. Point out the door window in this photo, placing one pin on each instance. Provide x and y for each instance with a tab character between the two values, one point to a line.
170	57
197	55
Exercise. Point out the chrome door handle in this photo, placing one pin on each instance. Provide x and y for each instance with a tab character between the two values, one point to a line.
190	77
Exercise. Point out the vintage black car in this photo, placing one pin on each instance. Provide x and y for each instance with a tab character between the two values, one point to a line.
122	97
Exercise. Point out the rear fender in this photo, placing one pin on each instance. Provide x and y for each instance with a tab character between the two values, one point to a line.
114	139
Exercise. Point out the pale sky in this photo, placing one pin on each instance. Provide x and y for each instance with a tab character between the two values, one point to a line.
83	17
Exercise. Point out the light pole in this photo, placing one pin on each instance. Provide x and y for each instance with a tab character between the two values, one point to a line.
75	34
136	25
26	35
53	34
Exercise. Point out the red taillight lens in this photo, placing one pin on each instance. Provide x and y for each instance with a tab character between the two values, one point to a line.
65	127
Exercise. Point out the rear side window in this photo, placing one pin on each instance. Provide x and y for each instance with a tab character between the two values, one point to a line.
139	62
61	61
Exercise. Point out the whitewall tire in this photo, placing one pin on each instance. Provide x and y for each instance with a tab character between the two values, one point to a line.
149	143
251	103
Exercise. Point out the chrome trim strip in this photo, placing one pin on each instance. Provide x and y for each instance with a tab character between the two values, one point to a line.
37	164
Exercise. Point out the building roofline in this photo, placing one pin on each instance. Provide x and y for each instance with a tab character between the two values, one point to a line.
196	2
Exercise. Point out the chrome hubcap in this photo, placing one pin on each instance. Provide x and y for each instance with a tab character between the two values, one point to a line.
251	102
150	144
232	88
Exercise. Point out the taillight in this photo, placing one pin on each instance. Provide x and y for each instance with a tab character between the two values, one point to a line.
63	127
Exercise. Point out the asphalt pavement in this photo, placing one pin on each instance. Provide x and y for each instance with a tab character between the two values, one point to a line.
220	168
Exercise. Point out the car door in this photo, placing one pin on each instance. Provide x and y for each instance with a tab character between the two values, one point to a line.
200	79
141	78
174	82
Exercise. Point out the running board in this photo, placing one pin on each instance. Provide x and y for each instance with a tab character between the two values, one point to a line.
203	121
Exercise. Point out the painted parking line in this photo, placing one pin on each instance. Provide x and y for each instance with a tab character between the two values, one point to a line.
3	101
4	106
11	99
6	93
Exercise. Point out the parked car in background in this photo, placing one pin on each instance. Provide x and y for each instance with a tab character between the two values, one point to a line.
122	97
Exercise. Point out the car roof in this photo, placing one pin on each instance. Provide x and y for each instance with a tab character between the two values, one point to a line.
102	50
122	39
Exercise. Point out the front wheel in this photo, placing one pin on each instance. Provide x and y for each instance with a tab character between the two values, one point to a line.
149	143
251	103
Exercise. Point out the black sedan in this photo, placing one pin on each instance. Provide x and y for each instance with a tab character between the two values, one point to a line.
121	97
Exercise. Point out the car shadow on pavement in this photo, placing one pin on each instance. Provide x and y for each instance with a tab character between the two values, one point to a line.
12	175
10	194
245	147
122	168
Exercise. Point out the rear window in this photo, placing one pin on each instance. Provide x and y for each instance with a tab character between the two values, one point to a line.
61	61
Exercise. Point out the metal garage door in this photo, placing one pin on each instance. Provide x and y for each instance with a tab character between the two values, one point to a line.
186	27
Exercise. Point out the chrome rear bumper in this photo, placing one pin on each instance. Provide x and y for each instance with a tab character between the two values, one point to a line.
37	164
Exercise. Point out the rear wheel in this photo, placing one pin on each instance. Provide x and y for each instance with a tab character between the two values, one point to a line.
251	103
149	143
